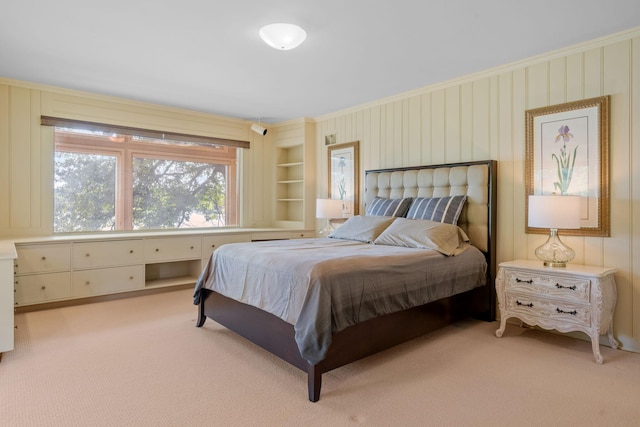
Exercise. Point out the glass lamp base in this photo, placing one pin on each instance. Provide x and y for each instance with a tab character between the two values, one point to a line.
554	253
327	229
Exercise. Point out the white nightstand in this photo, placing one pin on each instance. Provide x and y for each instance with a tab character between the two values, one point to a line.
573	298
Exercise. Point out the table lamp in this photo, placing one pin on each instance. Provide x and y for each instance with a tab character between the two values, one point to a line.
554	212
328	209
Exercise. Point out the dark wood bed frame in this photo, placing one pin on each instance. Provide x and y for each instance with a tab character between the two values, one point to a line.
367	338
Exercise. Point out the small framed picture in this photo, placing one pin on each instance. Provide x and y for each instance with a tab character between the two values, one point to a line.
343	176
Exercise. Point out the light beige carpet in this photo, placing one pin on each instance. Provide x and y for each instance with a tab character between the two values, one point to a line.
142	362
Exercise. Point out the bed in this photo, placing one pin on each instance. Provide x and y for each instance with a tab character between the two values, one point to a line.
325	302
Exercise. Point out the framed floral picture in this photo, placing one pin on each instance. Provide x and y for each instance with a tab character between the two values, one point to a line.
343	176
567	153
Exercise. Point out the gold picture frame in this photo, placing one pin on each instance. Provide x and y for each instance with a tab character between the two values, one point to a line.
343	165
567	152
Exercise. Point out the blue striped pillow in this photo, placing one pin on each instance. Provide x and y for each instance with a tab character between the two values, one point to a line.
440	209
388	207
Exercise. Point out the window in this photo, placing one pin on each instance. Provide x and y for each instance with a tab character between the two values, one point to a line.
116	181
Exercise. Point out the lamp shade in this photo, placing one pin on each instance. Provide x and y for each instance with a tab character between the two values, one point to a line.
328	208
283	36
554	211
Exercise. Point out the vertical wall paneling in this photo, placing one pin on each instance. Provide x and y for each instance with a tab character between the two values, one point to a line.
557	81
404	133
593	73
494	123
426	129
438	123
519	100
375	143
365	135
393	148
20	154
4	158
47	148
505	143
617	79
452	125
36	160
466	121
575	77
414	134
398	135
538	85
635	184
481	114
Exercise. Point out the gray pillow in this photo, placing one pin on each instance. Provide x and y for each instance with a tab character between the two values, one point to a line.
440	209
361	228
380	206
448	239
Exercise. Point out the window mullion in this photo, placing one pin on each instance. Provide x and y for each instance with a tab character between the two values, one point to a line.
126	195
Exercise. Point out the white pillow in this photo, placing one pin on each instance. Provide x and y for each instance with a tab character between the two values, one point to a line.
362	228
448	239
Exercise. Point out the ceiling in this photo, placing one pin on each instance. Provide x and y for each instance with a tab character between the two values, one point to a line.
205	55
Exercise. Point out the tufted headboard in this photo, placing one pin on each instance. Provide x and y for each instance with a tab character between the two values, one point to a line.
475	179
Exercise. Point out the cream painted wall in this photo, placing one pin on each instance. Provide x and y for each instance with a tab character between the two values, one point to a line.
26	149
483	117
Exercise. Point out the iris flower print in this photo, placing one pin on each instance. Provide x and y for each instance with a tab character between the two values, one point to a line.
565	162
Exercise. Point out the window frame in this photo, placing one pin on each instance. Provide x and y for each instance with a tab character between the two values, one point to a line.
125	149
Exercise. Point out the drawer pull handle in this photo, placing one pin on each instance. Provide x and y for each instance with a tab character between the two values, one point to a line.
572	312
130	277
43	288
131	251
157	250
530	281
559	286
87	282
530	305
191	247
87	255
213	246
44	258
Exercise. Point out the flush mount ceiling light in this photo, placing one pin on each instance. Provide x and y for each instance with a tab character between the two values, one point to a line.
282	36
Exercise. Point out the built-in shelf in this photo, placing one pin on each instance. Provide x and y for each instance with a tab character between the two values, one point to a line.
288	165
290	180
171	273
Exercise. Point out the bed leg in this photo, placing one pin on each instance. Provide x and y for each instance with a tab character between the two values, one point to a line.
201	316
314	380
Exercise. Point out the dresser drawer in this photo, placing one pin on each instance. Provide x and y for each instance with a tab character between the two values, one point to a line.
570	289
108	254
172	249
107	280
303	234
42	258
527	306
39	288
211	243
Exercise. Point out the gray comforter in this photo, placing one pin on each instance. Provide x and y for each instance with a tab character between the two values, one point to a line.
324	285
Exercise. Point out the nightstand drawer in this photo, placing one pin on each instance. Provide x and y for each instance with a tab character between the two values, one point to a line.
571	289
547	309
